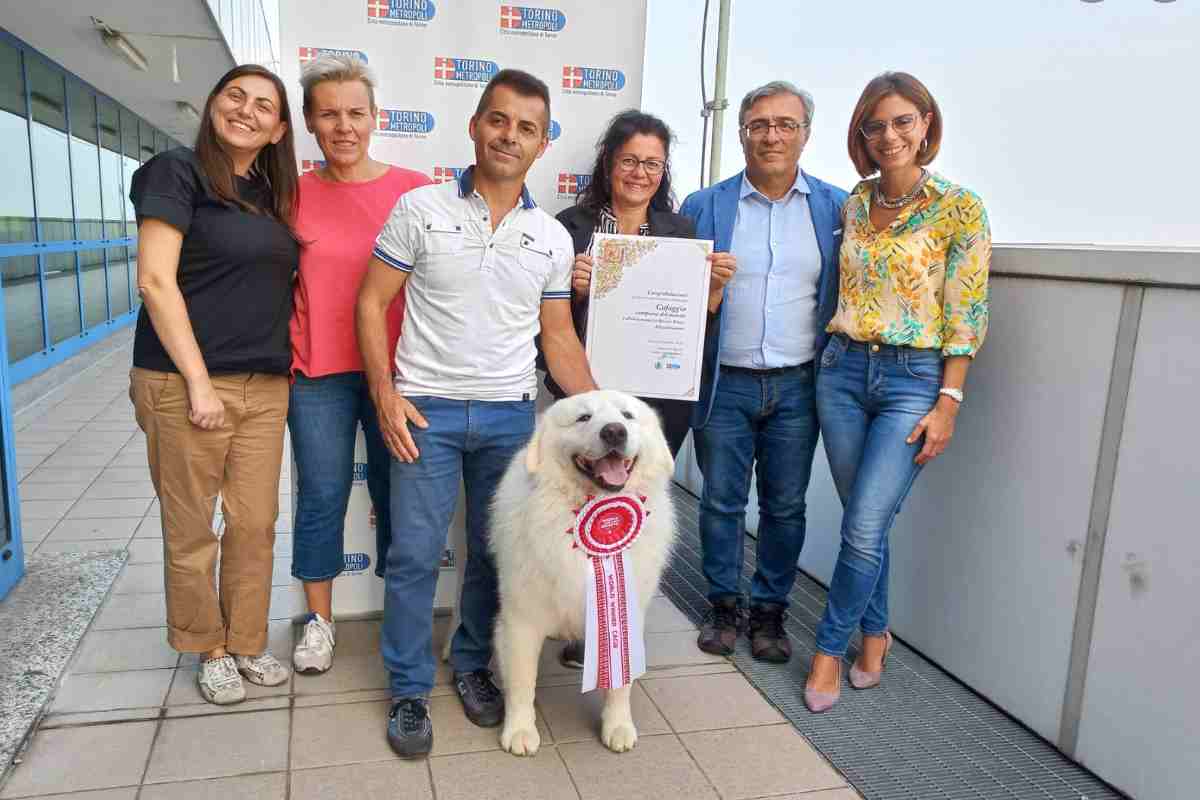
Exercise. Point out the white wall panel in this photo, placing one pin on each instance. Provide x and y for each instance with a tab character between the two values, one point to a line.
1140	726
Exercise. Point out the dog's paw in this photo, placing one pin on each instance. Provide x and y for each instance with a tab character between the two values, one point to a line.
620	737
520	741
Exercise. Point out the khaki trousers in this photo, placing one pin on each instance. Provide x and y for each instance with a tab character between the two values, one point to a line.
189	466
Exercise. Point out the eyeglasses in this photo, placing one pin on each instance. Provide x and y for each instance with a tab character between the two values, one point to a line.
652	165
786	128
902	124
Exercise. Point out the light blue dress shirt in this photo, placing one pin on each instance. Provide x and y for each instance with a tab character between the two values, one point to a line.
770	306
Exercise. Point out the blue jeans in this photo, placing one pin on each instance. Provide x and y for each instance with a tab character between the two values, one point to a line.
323	417
869	397
771	419
468	440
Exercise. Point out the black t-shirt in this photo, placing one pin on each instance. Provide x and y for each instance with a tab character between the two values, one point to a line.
235	269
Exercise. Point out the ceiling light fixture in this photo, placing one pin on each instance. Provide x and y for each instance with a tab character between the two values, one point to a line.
117	42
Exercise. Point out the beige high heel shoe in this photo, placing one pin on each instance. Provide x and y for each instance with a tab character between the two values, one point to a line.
820	702
860	678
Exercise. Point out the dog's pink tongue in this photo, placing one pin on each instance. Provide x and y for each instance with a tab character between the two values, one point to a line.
611	470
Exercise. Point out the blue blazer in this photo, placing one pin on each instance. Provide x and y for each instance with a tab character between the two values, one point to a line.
714	211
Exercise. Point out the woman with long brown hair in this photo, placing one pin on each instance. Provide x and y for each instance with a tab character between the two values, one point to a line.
209	384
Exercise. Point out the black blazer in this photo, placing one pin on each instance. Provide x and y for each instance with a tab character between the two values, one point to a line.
580	222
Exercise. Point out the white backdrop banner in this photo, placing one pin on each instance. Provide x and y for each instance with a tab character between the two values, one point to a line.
432	59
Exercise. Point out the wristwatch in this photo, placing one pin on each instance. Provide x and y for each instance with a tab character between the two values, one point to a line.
955	394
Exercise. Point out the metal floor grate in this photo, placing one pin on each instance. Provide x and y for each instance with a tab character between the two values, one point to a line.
921	735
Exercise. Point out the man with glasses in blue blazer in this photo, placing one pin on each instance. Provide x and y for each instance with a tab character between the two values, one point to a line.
757	406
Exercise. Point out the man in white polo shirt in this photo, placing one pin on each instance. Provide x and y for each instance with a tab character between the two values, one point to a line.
484	270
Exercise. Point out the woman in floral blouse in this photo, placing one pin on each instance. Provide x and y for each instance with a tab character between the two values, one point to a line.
912	312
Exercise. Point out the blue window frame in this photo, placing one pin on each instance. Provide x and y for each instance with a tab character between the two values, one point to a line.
67	238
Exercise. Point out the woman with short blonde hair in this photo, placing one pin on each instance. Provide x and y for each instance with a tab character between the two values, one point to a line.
343	204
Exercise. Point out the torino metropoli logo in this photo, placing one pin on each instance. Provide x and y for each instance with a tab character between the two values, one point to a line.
412	13
404	124
530	21
572	184
307	54
472	72
592	80
447	174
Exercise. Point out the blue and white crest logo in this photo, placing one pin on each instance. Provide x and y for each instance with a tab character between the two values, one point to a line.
555	130
530	20
572	184
592	80
463	71
307	54
356	562
404	124
400	12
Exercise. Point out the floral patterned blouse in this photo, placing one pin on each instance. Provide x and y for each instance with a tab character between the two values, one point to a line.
923	280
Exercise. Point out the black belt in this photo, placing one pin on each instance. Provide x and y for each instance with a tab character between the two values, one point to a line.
766	373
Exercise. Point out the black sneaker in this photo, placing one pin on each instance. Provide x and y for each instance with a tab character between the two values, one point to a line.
571	655
409	730
481	698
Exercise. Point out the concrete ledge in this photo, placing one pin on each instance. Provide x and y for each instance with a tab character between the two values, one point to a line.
1141	266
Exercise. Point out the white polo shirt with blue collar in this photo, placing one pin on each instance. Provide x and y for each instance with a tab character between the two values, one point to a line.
474	296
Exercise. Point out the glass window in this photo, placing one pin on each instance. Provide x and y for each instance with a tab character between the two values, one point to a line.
129	133
22	308
12	88
95	287
130	167
85	163
110	125
52	171
113	195
47	94
16	201
120	262
82	104
147	141
161	143
62	297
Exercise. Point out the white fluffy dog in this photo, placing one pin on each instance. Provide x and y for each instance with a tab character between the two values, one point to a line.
599	443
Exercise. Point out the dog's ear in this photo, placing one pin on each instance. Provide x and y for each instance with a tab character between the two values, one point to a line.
533	452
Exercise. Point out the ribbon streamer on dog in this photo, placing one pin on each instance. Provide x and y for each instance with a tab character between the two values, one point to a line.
614	645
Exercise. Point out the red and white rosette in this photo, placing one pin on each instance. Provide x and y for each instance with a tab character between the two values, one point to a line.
615	649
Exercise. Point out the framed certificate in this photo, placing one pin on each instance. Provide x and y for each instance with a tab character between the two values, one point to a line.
647	309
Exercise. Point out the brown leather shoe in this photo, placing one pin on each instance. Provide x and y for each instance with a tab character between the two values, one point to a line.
722	624
768	640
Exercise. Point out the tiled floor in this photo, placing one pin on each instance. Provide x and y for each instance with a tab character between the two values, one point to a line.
127	721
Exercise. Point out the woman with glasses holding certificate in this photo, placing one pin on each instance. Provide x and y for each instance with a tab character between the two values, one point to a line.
912	312
630	193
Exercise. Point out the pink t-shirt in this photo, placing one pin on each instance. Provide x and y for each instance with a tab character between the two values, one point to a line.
338	223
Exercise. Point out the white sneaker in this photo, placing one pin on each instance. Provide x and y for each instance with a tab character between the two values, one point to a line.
314	652
219	681
264	669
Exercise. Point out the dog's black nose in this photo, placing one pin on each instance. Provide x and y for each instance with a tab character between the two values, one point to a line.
614	434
